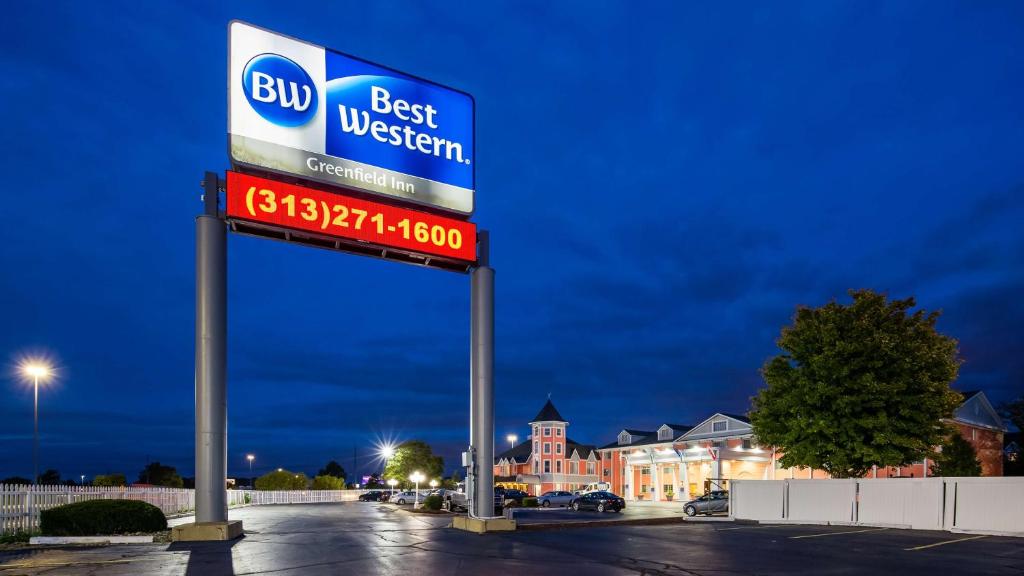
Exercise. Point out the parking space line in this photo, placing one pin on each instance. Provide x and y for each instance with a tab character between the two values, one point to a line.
943	543
752	527
836	533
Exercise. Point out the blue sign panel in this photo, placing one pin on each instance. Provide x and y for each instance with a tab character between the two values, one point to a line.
301	109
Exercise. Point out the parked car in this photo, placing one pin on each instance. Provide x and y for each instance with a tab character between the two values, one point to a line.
600	501
513	497
375	496
455	500
716	501
555	498
404	497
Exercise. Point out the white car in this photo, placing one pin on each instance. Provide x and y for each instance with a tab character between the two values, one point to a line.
406	497
555	498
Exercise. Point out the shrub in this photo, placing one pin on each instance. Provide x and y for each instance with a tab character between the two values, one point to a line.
101	518
432	502
324	482
283	480
18	537
110	480
529	502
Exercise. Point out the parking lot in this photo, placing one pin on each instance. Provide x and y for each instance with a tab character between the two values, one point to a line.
371	538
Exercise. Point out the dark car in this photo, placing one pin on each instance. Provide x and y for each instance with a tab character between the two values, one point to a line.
513	497
374	496
600	501
711	503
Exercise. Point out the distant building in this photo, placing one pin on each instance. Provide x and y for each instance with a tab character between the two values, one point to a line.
548	459
980	424
679	461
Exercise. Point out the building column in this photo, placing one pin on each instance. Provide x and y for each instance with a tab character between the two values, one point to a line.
628	481
685	488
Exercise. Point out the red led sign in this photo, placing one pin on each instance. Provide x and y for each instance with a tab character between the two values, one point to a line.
327	213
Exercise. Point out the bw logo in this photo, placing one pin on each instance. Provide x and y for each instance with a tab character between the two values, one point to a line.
279	90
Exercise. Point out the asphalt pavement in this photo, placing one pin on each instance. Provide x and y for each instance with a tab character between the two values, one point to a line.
371	538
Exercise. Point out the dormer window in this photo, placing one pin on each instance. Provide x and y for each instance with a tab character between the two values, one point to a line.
624	437
719	426
665	433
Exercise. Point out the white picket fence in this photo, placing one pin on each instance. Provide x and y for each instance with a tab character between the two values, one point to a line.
20	504
976	505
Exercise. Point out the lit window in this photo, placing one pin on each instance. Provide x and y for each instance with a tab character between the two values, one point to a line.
547	447
719	426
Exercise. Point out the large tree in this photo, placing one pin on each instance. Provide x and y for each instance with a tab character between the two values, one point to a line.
157	474
413	456
332	469
957	458
857	385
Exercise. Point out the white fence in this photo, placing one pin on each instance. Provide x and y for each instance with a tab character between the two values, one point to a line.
20	505
984	505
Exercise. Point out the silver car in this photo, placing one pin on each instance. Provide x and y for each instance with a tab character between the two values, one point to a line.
404	497
715	502
555	498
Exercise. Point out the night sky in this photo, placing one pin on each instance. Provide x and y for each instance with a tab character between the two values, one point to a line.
664	184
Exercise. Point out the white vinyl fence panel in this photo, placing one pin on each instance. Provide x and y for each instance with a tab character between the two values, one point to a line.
20	505
904	502
987	504
821	500
758	500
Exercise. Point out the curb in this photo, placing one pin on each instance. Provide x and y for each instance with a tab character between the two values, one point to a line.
91	540
603	523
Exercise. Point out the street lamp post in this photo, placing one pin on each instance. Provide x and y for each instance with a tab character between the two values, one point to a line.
416	477
35	370
433	484
82	483
250	458
512	438
392	482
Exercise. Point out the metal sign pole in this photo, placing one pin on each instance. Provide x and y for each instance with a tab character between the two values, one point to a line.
481	416
211	359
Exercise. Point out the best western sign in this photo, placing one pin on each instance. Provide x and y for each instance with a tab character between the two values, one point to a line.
304	110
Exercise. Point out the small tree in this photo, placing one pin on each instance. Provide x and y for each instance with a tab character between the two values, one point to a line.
15	480
412	456
49	477
1014	412
957	458
332	469
857	385
110	480
374	481
282	480
159	475
328	483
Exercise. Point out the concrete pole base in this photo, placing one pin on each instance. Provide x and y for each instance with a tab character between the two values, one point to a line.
482	525
207	531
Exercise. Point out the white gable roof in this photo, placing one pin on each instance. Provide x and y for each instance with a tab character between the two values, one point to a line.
718	426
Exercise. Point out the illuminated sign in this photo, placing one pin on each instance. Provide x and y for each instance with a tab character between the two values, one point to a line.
300	109
329	214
